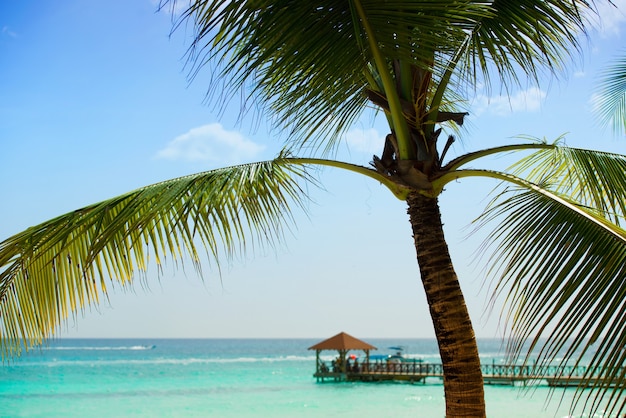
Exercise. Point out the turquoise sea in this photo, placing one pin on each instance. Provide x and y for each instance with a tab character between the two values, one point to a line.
231	378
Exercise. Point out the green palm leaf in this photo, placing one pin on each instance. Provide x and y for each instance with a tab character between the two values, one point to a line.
309	64
562	271
572	170
58	267
525	37
611	105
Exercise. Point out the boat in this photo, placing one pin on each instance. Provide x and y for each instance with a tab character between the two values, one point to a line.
397	357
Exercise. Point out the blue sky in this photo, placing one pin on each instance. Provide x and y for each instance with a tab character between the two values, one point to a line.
95	101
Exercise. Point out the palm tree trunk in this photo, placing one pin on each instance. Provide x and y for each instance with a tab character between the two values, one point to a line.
463	380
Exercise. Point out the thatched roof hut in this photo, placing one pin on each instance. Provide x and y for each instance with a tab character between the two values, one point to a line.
343	343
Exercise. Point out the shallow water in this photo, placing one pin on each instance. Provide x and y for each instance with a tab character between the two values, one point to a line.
230	378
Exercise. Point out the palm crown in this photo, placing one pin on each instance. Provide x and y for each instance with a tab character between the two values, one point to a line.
316	65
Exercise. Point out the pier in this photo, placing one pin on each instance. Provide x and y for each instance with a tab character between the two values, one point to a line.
348	368
418	372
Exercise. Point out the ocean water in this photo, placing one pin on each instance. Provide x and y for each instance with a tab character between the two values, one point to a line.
232	378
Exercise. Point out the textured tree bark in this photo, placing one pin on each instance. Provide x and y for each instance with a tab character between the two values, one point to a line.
463	380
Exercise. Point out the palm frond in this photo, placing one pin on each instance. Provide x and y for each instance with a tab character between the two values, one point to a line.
525	37
562	272
611	104
285	54
309	63
592	178
59	267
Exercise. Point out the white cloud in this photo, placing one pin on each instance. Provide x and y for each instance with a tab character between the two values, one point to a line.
523	101
8	32
211	143
365	140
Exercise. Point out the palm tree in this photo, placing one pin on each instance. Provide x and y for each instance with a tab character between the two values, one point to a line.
315	67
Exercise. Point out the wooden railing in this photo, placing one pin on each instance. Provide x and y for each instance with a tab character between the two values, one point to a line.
493	373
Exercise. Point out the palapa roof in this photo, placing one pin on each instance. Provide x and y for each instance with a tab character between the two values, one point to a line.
342	341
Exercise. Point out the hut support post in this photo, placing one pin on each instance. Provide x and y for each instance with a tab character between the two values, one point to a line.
317	365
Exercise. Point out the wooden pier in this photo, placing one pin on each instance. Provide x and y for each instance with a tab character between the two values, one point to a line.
493	374
348	368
